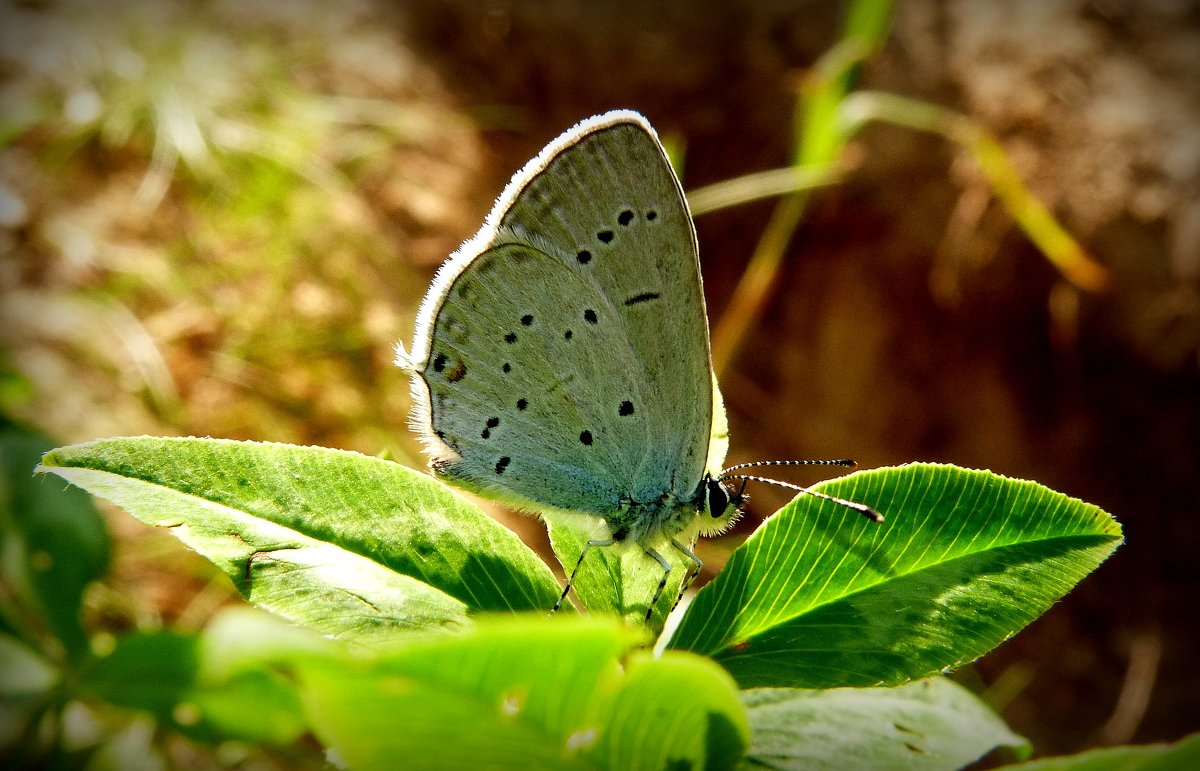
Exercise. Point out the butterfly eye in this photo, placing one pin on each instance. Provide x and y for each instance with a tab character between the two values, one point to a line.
718	499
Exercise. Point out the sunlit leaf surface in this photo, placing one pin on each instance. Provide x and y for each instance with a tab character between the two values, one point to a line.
348	544
819	597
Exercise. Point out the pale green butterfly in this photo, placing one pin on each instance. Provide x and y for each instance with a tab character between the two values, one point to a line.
561	359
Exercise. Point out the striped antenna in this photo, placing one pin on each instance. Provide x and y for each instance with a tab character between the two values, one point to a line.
861	508
844	463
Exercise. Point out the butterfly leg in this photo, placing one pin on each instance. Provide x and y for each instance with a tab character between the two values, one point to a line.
578	563
662	583
691	576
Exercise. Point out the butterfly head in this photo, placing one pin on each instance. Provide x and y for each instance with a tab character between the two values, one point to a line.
722	504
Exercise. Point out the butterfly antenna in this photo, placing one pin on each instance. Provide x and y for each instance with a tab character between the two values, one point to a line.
843	462
861	508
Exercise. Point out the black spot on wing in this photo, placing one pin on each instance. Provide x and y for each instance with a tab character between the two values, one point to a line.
502	464
643	297
522	404
625	217
439	362
605	236
589	316
584	256
585	437
626	408
527	320
651	215
511	337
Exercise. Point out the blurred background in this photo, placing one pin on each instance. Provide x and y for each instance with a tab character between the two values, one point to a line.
216	218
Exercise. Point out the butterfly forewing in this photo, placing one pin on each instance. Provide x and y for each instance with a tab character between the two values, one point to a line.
568	362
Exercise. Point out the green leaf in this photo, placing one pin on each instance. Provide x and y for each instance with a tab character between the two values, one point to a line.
691	705
353	546
231	681
55	543
151	671
1183	754
527	692
819	597
931	724
867	22
618	579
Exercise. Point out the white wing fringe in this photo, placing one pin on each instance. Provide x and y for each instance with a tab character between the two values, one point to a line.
403	360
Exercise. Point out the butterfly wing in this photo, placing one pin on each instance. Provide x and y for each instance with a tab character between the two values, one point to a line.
563	351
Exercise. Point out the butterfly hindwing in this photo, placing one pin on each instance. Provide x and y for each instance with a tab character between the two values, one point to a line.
566	347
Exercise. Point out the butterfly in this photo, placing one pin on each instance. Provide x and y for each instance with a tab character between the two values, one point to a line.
561	359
